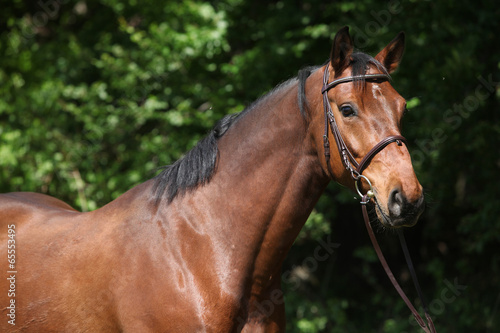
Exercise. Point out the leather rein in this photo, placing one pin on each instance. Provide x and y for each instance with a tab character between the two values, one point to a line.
356	170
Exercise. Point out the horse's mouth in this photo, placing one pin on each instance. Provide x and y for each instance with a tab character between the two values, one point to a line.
409	219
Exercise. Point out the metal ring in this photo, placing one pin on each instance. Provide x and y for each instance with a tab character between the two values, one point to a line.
370	192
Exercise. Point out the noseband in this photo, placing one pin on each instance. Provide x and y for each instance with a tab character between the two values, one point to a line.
356	169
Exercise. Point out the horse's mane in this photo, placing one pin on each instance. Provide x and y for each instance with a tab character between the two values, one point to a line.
195	168
360	62
198	165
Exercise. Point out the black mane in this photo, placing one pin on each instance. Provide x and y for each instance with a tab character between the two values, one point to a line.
301	96
197	167
360	62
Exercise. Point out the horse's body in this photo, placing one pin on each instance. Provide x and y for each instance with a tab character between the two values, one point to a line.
185	266
207	257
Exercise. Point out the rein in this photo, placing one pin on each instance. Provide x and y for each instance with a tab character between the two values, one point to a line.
356	170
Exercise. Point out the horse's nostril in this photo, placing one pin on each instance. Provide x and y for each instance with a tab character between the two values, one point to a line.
396	201
403	212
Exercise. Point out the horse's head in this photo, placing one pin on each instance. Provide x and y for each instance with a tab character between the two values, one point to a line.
367	110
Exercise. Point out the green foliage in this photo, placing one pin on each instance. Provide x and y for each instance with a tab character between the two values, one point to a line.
97	95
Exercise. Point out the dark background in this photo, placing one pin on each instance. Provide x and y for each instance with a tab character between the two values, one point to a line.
95	95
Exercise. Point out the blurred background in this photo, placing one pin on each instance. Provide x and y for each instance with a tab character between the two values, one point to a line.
96	95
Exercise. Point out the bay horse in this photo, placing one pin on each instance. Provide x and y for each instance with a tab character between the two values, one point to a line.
199	247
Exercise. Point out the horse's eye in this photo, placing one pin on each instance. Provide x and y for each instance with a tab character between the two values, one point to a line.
347	111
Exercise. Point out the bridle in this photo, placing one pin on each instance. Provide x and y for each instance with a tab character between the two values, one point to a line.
356	169
347	158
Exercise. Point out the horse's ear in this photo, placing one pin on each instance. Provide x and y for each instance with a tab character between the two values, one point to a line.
391	55
341	51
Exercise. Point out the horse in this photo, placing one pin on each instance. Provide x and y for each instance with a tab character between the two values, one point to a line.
199	247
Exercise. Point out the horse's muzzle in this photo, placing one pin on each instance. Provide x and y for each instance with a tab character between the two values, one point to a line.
402	212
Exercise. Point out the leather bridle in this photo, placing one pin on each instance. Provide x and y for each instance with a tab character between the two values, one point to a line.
347	158
356	169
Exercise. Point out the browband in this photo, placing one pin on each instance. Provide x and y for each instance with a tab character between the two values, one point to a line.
369	77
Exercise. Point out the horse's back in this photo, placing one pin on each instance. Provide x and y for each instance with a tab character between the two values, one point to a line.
37	200
17	207
49	241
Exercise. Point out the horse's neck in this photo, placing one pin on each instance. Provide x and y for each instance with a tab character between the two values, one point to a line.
267	182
